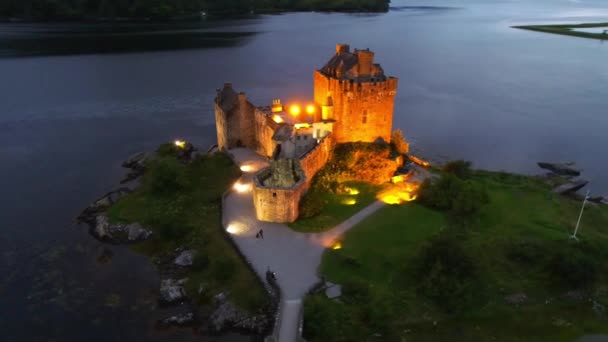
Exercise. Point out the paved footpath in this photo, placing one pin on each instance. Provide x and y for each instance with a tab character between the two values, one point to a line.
293	256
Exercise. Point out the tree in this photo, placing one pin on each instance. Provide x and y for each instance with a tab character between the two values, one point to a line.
446	273
459	168
399	142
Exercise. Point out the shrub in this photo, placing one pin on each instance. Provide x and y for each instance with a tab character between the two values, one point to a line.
322	318
446	273
172	231
224	269
463	199
200	262
468	201
441	193
573	268
526	251
399	143
168	177
356	291
311	204
459	168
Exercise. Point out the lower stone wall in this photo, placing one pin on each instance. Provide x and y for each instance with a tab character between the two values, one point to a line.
276	204
282	204
314	160
264	130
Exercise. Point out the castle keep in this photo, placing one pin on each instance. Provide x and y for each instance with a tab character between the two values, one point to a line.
353	101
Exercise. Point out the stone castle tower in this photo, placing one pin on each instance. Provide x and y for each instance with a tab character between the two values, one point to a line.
354	92
353	101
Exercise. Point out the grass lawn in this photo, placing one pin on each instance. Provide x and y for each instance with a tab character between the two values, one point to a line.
181	204
377	258
569	30
338	207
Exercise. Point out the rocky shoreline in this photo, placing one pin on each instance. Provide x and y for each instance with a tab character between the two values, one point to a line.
566	181
219	316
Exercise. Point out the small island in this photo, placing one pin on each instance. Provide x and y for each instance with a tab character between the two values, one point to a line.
586	30
313	219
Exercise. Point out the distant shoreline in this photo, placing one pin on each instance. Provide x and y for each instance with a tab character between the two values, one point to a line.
202	16
567	30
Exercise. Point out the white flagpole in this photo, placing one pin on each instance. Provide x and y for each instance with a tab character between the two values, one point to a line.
578	222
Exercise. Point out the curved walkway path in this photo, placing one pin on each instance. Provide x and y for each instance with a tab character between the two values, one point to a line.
293	256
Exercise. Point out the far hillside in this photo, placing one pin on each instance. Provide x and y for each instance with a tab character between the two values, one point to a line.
54	10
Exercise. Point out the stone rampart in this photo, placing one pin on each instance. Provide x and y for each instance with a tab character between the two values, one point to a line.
316	158
276	204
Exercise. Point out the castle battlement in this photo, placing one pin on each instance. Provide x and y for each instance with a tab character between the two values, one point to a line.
353	101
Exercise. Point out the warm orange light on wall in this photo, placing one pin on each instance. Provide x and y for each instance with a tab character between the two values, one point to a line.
310	109
399	193
294	110
418	160
301	125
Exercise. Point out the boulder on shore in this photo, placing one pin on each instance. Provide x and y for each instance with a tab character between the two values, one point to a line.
564	169
178	320
137	164
105	231
570	186
597	199
185	258
90	213
172	290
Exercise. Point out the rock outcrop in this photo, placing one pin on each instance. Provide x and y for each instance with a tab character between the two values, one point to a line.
570	186
563	169
89	214
181	320
172	291
105	231
137	165
227	316
184	258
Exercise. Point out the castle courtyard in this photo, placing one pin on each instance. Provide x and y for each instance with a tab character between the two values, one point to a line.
293	256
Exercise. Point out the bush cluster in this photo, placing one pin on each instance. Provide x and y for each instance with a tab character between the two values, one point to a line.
364	162
446	273
574	267
311	203
168	177
459	168
462	199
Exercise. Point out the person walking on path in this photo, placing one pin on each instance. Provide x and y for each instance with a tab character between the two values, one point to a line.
261	233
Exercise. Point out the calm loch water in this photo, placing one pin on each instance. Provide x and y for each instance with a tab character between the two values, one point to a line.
75	100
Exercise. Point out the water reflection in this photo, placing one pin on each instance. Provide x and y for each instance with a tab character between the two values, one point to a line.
44	40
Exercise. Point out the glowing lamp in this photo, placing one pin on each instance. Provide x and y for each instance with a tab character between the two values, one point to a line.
336	245
310	109
294	110
232	229
352	191
180	143
236	228
240	187
349	201
277	119
246	168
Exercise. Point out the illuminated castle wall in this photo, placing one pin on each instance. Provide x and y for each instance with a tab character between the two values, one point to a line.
354	101
357	95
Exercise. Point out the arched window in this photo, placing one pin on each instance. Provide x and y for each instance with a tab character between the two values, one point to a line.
364	120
